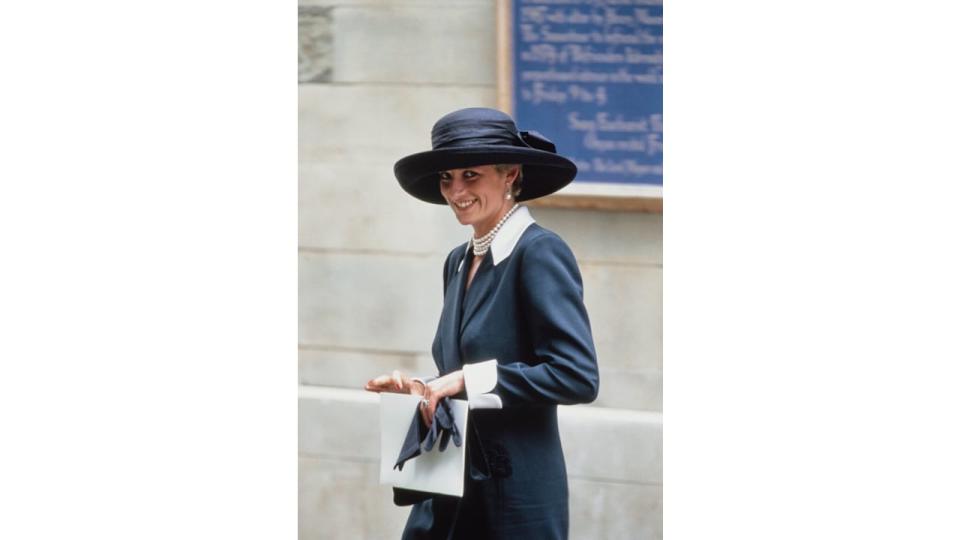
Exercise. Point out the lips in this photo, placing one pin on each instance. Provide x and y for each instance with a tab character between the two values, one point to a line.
464	204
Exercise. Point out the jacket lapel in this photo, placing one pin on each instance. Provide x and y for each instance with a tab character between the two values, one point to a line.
502	246
450	320
480	289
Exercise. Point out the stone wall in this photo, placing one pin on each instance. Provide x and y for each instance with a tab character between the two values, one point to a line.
374	76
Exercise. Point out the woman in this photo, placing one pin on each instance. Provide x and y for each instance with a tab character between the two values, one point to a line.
514	338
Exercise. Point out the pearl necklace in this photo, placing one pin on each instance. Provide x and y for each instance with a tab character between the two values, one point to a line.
482	245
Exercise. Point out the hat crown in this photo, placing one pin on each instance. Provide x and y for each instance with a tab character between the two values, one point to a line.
476	126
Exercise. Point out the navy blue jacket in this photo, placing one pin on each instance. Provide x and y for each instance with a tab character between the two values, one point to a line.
526	311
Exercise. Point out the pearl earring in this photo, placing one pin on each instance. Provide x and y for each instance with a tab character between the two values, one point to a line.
507	196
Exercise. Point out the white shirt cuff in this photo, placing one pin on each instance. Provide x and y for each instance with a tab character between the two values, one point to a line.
479	379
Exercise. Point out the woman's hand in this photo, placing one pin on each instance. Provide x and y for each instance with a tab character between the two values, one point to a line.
430	394
449	385
397	383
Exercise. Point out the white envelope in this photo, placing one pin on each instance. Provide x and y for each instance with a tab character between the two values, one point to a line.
433	471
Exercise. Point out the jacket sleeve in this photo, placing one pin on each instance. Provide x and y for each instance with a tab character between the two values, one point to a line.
564	367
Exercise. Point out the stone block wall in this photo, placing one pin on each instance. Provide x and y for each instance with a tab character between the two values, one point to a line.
374	76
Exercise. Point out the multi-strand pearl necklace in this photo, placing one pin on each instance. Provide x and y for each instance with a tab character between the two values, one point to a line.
482	245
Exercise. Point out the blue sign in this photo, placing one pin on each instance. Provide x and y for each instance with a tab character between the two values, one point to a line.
588	74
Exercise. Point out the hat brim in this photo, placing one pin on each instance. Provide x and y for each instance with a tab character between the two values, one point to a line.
543	172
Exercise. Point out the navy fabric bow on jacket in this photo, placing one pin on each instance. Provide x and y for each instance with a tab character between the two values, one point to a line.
422	439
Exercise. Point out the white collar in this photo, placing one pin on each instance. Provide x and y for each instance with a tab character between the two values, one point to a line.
510	232
508	237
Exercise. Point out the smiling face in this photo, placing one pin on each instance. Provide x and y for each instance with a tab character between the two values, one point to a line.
477	194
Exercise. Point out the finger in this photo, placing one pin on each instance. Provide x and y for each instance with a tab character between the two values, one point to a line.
398	379
431	411
383	383
424	413
377	383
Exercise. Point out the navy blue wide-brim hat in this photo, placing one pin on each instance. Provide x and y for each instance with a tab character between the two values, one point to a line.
481	136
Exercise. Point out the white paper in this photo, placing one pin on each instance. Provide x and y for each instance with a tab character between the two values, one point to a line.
433	471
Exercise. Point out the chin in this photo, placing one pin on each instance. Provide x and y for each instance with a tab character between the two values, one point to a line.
462	218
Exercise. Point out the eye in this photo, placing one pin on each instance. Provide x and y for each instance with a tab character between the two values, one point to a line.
446	177
470	175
